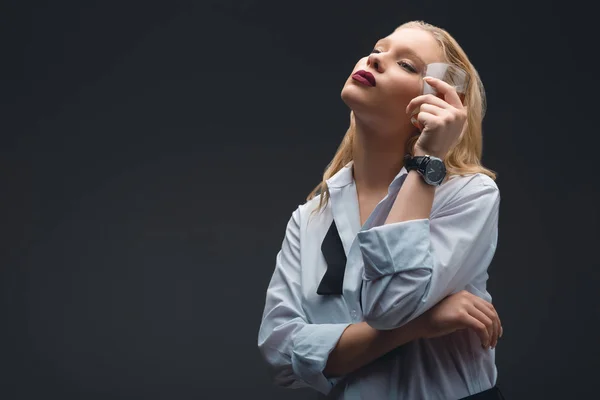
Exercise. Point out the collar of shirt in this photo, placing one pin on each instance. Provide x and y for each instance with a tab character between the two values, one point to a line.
345	177
344	204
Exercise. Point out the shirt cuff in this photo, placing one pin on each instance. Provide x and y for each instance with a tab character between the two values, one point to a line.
396	247
312	345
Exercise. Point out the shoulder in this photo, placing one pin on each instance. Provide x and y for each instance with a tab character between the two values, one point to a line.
472	183
309	207
303	211
472	188
309	219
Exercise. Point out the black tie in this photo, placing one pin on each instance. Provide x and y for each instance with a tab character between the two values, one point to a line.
334	254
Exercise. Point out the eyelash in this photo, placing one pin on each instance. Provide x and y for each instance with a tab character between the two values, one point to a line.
403	64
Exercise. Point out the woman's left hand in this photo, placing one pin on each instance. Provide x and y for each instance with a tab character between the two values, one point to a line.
442	118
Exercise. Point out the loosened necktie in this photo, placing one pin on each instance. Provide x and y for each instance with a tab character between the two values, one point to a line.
334	254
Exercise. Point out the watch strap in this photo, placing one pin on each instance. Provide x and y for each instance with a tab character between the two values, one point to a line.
413	162
420	164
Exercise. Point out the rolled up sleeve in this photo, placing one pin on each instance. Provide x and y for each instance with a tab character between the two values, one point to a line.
295	351
410	266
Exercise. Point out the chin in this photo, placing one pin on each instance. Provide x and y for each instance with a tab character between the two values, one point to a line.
356	98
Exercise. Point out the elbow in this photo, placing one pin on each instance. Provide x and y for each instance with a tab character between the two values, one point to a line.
373	315
285	378
279	368
376	321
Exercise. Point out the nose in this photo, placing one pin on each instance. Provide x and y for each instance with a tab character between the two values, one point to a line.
374	60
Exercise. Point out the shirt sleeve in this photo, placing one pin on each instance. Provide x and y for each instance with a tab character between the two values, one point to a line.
296	351
410	266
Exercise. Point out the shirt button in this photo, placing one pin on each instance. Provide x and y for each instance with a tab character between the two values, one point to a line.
353	314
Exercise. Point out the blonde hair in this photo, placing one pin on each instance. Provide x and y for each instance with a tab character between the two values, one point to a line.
465	157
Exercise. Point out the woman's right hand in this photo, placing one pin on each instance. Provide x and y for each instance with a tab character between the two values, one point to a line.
463	310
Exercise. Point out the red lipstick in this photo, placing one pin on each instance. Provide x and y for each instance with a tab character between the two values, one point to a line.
364	77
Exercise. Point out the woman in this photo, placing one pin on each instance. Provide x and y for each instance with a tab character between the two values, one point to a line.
379	290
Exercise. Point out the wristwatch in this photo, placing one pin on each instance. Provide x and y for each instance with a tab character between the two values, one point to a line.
431	168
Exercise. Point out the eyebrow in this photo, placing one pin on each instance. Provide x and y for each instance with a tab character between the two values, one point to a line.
409	52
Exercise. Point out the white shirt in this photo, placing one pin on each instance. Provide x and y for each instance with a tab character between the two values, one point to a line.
394	273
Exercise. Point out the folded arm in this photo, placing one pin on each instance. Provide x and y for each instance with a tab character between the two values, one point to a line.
414	261
300	354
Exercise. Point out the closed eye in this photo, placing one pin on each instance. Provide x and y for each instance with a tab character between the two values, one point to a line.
407	66
403	64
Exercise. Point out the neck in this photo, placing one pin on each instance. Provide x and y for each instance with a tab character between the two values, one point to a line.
378	157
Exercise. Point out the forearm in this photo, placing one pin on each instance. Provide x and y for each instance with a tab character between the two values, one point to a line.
414	200
360	344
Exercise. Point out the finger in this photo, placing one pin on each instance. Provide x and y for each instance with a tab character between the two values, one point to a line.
491	312
431	109
425	118
484	319
448	91
478	327
425	99
483	307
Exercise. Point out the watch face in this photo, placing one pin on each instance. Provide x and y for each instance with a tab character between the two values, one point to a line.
436	170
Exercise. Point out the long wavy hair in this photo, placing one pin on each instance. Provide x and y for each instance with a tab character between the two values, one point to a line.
465	157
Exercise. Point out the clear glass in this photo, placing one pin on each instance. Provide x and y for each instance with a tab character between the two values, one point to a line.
449	73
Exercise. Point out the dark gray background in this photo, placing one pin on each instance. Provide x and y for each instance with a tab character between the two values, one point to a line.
151	155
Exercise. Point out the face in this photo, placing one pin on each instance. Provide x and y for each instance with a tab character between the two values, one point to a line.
396	65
